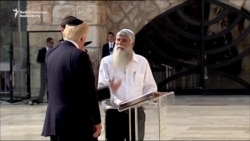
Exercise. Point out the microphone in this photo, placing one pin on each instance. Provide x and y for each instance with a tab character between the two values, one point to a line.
87	43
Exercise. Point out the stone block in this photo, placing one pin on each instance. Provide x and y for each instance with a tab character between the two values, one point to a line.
239	3
61	11
43	27
90	13
247	5
46	18
95	36
33	14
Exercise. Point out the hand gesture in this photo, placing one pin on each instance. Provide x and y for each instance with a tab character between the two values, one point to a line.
97	129
114	85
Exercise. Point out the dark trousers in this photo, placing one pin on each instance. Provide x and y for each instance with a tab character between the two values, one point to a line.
117	125
42	83
71	138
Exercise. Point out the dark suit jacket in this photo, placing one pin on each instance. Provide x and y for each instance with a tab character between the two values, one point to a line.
41	55
72	104
105	49
102	94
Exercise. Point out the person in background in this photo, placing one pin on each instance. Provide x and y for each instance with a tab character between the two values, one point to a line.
41	60
136	78
107	48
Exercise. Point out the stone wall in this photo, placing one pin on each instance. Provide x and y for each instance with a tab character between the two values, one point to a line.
55	11
102	16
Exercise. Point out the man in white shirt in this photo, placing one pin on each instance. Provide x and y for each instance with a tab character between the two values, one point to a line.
136	78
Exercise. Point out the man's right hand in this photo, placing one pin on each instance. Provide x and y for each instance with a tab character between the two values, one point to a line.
114	85
97	129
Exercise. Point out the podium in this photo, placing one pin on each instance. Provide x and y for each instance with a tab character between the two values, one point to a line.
156	114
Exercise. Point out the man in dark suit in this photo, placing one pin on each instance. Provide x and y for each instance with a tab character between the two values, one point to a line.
104	92
73	111
107	48
41	60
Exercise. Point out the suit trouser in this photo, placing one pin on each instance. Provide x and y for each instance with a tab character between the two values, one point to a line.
71	138
42	83
117	125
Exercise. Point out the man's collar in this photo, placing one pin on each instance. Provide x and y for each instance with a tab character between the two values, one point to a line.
85	44
47	48
134	58
74	43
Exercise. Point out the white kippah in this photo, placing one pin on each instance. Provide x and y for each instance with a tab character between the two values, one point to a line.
128	30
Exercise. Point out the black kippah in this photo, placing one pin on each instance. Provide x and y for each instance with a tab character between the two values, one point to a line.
75	22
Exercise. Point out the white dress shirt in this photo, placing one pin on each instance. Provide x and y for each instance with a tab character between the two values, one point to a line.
73	42
47	48
111	47
137	78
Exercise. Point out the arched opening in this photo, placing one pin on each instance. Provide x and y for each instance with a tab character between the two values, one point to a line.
198	47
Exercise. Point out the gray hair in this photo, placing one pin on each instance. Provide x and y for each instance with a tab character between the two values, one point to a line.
126	32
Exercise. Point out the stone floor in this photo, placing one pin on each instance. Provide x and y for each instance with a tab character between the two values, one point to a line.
191	118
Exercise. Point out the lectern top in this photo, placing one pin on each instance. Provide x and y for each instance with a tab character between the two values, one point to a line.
141	99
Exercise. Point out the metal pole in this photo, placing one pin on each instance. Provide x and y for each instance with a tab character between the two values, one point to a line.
136	124
11	75
19	21
130	131
159	117
202	51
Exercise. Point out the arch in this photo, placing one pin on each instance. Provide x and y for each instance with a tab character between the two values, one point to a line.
204	38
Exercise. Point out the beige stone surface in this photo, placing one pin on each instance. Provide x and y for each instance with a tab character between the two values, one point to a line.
239	3
38	19
61	11
190	118
247	5
89	13
47	18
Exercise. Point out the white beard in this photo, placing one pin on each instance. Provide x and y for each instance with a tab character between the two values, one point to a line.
121	57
